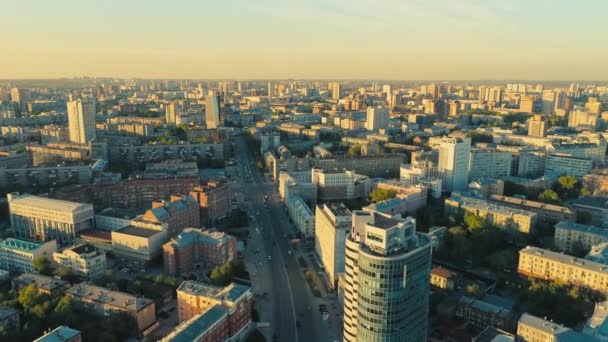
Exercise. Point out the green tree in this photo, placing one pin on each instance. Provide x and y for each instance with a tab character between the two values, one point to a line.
354	151
473	289
548	196
29	297
567	186
380	195
42	265
473	222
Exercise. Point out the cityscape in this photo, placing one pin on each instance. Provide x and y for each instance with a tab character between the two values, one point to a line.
305	172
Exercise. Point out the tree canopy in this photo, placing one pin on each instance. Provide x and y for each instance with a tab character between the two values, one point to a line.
380	195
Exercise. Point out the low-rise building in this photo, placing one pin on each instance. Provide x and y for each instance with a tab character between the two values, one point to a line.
301	215
567	234
178	213
212	324
44	284
103	302
499	215
547	265
61	334
44	219
534	329
481	314
194	298
171	169
18	255
9	319
193	248
596	207
84	260
442	278
340	185
136	246
546	212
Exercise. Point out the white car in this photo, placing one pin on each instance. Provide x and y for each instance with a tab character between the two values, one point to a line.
269	257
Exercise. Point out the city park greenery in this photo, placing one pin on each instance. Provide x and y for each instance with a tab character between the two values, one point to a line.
380	195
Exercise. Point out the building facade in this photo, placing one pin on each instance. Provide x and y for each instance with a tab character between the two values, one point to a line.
214	199
547	265
332	224
193	248
454	163
81	121
18	255
386	283
45	219
84	260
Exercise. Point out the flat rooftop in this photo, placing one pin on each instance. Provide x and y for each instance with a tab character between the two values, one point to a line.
47	203
138	231
108	297
565	259
229	293
191	329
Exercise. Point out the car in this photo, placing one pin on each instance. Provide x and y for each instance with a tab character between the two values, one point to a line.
269	257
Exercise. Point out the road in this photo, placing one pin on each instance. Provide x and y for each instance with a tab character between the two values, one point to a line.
282	295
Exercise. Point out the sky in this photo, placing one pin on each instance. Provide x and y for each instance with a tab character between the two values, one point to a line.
306	39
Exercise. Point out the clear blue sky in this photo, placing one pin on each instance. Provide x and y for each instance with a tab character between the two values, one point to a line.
373	39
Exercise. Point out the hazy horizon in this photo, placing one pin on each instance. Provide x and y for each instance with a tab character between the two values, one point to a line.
336	39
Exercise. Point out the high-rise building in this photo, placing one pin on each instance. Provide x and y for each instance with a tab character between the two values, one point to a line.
170	113
335	90
454	162
526	104
489	163
212	110
81	120
537	126
272	91
548	101
387	279
333	223
583	118
20	97
377	118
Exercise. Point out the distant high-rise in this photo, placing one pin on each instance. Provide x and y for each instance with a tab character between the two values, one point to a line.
212	109
454	162
537	126
386	280
526	104
81	120
272	91
549	97
170	113
377	118
335	90
19	97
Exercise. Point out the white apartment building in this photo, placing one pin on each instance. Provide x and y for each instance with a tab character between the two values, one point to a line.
565	164
81	121
18	255
44	219
332	226
454	163
489	163
84	260
377	118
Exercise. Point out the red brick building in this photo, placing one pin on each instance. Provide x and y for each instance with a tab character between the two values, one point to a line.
195	248
214	199
178	213
213	313
135	193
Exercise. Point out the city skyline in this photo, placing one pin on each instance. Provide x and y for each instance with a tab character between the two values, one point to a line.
395	40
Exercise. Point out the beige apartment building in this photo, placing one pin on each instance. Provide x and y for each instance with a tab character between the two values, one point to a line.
547	265
332	226
499	215
84	260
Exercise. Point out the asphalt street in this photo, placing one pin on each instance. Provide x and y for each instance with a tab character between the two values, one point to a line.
282	295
